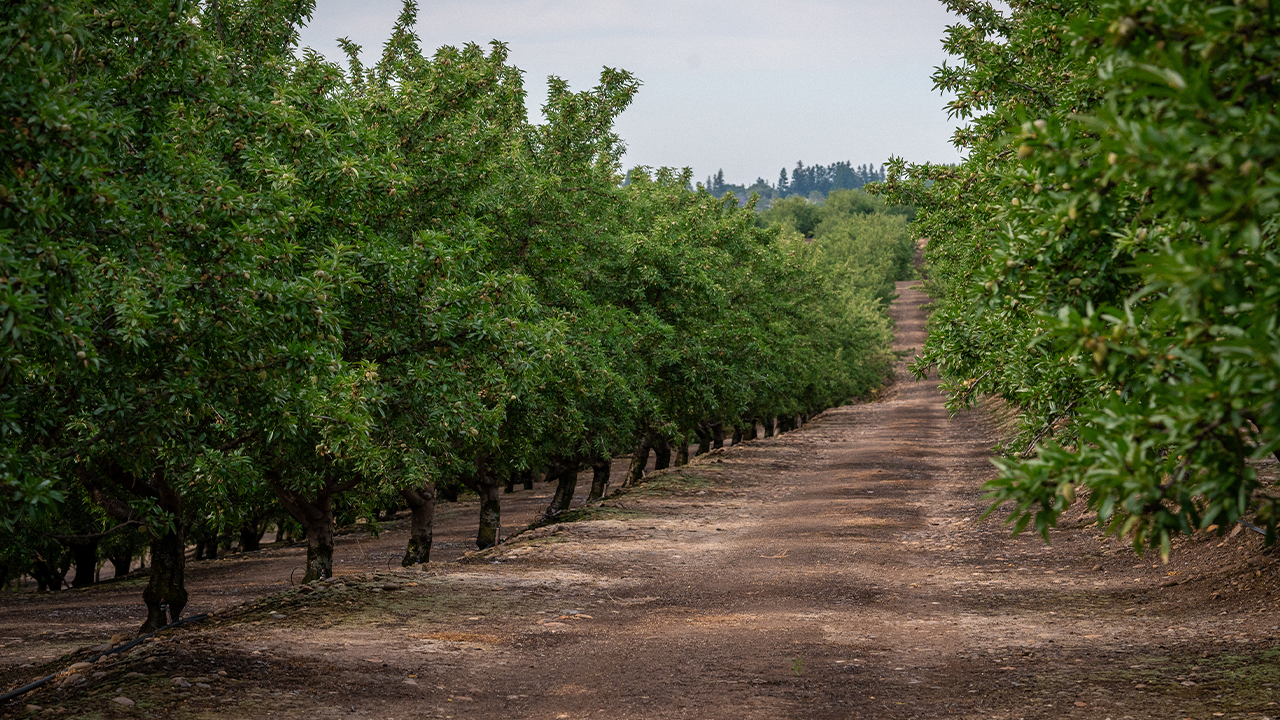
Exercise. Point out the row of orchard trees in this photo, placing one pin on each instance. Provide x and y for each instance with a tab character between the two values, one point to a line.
1106	258
233	275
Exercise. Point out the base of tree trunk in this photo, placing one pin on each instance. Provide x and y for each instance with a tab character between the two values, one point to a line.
166	592
601	469
566	484
422	511
662	454
490	515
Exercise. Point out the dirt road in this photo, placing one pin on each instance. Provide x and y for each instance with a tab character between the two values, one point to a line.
838	571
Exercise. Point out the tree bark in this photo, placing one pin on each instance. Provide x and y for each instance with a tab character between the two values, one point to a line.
662	453
166	592
768	427
717	435
639	459
121	564
448	492
752	433
487	487
316	516
566	484
601	468
682	452
737	435
85	556
704	440
527	477
422	513
251	532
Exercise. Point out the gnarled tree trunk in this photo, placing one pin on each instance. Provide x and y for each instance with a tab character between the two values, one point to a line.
422	513
662	453
639	459
682	452
487	487
316	516
717	435
704	440
85	555
566	484
601	468
166	591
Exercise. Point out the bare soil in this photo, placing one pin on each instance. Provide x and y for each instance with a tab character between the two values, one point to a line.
837	571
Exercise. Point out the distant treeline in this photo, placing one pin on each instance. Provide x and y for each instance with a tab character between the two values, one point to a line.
803	181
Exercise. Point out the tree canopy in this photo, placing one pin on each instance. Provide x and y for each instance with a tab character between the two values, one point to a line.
1104	260
235	276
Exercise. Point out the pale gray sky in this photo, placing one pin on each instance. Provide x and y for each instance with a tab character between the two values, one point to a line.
747	86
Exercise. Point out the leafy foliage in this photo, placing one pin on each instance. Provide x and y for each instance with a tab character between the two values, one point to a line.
1105	259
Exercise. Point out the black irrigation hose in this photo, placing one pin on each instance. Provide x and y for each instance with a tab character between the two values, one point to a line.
1252	527
127	646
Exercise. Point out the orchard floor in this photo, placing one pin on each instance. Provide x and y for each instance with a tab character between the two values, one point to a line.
838	571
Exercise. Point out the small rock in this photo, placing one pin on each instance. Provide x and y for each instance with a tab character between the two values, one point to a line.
277	616
1097	567
1188	683
122	700
410	681
304	589
77	667
203	686
151	659
99	675
222	673
390	586
119	639
100	648
132	675
181	682
34	708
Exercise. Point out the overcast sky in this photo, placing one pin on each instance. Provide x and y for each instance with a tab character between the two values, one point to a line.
747	86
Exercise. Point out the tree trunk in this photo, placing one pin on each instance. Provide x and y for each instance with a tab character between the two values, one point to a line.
682	452
566	484
510	487
662	453
251	532
601	468
422	514
639	460
121	564
751	431
166	592
704	440
785	423
487	487
527	477
717	435
768	427
46	575
316	517
737	435
85	554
